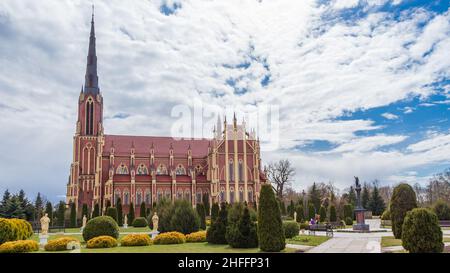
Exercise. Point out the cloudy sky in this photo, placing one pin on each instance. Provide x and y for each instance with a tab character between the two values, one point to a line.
362	86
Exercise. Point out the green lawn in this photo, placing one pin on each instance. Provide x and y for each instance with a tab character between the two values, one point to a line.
179	248
307	240
387	241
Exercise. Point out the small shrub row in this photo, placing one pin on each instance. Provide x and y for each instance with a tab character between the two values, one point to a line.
102	242
291	229
20	246
196	237
59	244
168	238
136	240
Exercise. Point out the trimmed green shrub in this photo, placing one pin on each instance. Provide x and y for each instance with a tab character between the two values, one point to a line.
184	219
291	229
101	225
333	216
348	221
214	211
270	228
242	234
217	231
323	214
421	232
96	211
386	215
442	210
139	222
119	212
403	200
304	225
112	212
201	215
131	214
14	229
102	242
73	215
165	210
348	211
299	210
206	204
142	210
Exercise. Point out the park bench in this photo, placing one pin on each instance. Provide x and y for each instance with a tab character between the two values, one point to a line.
321	227
337	224
444	223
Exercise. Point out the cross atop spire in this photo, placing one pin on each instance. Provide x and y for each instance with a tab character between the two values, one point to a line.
91	78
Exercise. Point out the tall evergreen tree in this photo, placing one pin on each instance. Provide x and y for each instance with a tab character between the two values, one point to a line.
311	211
403	200
214	212
49	211
14	208
323	214
119	212
365	196
201	215
60	216
142	211
270	228
131	214
314	196
112	212
3	204
96	211
333	216
376	203
299	210
291	209
39	206
206	204
217	231
243	233
27	207
73	215
351	196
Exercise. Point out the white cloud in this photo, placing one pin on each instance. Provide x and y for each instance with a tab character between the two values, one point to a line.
389	116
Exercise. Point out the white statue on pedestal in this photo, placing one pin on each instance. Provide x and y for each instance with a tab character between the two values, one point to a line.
45	221
155	220
125	221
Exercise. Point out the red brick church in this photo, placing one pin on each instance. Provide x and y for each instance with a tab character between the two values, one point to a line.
226	168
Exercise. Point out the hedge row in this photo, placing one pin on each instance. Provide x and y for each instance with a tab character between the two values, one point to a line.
19	246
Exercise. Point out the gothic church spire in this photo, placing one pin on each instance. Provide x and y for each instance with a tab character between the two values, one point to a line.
91	78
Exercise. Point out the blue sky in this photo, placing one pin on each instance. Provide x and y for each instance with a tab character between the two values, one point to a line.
363	86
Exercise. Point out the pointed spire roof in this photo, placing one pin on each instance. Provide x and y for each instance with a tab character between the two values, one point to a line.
91	77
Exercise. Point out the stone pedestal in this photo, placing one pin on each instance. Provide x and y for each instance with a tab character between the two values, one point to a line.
43	240
154	234
125	225
360	221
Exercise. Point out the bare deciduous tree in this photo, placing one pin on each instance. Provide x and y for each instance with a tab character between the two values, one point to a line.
280	175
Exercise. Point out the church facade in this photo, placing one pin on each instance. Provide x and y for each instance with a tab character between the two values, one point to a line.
137	169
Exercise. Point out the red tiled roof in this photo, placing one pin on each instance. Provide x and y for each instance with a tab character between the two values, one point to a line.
142	145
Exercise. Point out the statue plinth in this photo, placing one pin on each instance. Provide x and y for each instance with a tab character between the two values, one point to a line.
43	238
359	210
154	233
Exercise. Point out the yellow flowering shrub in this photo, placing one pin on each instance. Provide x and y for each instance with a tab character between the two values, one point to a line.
208	222
59	244
102	242
14	229
19	246
168	238
136	240
196	237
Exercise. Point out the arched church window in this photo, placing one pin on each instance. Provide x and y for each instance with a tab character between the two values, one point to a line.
160	195
148	197
231	169
167	194
180	194
89	117
142	169
116	195
161	170
187	195
126	197
199	196
222	194
138	198
180	170
122	169
250	194
241	177
231	195
241	194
